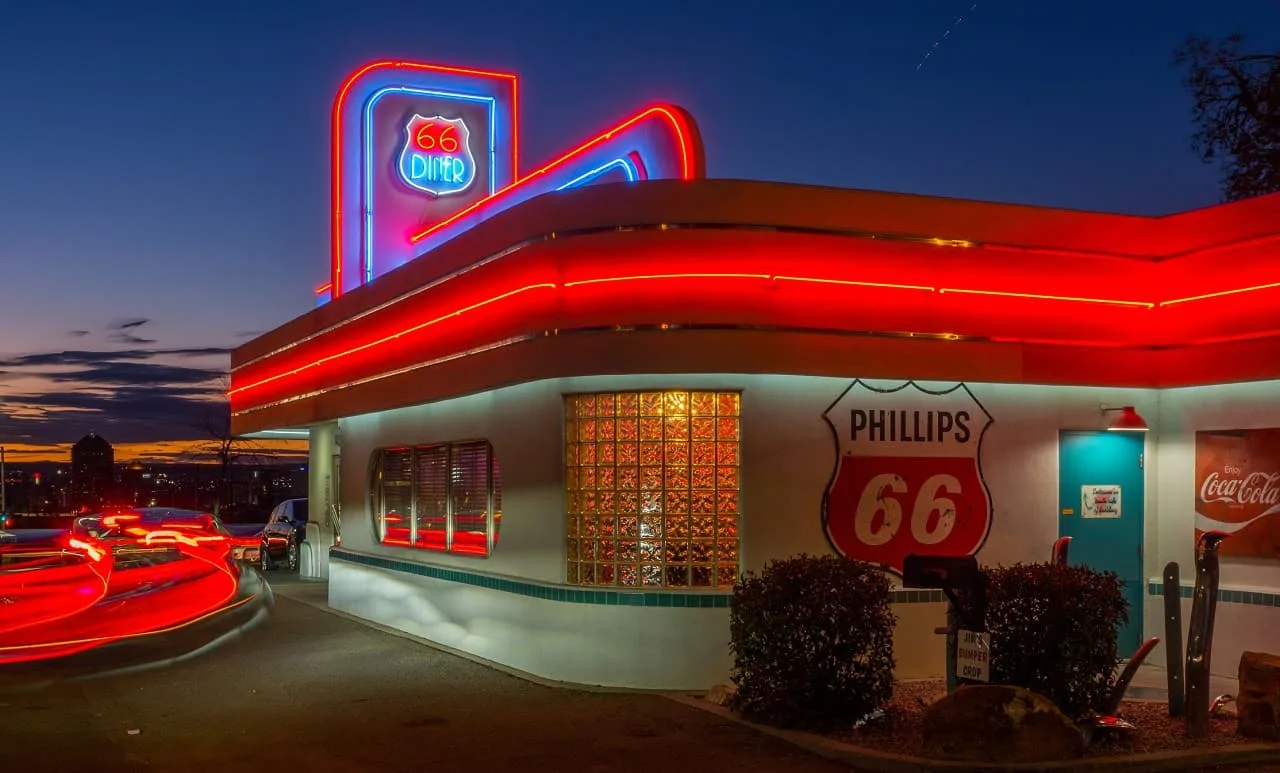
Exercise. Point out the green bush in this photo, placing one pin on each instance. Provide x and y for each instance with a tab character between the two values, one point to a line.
1053	631
812	640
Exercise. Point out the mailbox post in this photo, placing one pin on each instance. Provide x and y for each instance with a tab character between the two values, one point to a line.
965	587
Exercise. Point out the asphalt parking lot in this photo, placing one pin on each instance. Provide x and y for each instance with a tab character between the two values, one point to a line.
311	690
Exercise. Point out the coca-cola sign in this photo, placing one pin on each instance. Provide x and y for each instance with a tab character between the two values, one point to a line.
1238	489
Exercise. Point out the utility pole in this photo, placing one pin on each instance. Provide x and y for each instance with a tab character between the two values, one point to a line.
4	505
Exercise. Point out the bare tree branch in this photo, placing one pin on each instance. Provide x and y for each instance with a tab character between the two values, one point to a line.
1236	109
223	448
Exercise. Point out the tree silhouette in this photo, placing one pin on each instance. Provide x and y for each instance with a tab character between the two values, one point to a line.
1236	110
220	446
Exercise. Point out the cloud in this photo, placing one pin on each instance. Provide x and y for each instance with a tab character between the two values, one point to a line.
126	374
127	324
85	357
129	338
77	333
133	395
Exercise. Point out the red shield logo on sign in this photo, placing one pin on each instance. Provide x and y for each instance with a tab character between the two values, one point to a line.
908	474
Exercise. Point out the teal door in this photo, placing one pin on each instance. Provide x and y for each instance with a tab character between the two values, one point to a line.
1100	507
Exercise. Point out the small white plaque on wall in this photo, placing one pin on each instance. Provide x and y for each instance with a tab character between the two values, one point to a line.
1099	501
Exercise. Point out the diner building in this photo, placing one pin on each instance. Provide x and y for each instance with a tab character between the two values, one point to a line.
554	410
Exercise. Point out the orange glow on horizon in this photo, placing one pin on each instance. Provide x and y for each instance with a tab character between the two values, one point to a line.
159	452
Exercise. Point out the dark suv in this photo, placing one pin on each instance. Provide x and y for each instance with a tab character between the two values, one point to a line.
283	535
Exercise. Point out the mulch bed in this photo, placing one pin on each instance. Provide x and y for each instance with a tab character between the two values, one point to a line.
899	731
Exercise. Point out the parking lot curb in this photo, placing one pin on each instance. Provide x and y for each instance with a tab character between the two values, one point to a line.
1235	756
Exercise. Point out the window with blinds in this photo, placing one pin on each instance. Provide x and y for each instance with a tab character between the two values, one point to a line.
445	497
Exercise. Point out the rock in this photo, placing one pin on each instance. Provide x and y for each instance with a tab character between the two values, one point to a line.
721	694
999	723
1258	701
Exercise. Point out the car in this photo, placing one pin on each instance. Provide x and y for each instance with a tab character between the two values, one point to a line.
111	525
283	535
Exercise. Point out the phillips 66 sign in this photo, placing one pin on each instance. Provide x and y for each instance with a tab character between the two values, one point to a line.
908	474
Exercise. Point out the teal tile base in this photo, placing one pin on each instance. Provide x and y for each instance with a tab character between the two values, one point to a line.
1225	595
577	595
564	593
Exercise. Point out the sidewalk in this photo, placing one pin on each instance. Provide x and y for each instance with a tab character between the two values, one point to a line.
1149	684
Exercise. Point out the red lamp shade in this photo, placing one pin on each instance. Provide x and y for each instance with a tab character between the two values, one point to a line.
1127	420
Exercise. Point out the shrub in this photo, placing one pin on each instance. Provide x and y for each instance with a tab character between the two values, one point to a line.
812	640
1053	631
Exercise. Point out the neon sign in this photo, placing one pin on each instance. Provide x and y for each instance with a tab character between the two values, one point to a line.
436	157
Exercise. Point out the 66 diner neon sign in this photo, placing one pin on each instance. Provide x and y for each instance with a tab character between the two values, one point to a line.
908	474
436	157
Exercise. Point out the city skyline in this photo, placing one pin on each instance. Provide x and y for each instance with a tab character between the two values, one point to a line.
206	223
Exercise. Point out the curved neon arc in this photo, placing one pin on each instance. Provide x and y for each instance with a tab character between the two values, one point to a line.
663	112
336	138
627	166
769	278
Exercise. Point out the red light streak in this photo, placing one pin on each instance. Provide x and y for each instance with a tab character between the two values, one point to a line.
339	102
686	163
63	609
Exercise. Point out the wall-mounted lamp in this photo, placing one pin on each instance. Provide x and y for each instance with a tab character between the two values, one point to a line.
1126	419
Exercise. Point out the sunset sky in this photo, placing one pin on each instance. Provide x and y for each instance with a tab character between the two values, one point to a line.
164	166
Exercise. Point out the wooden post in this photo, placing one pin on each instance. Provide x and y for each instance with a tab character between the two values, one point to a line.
1173	638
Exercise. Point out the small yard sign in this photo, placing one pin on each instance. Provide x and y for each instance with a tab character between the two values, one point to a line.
973	656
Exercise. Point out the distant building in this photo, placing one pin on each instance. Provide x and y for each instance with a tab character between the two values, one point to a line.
92	471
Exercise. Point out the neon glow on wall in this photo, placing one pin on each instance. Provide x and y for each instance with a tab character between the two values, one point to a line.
376	228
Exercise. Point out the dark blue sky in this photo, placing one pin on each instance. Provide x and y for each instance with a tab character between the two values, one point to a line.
169	160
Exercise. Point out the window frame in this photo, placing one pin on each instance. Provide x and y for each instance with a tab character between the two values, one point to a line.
377	495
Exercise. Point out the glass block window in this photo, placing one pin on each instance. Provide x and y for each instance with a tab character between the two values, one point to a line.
653	488
445	497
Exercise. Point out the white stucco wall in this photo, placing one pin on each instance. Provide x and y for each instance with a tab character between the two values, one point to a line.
787	458
1238	627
